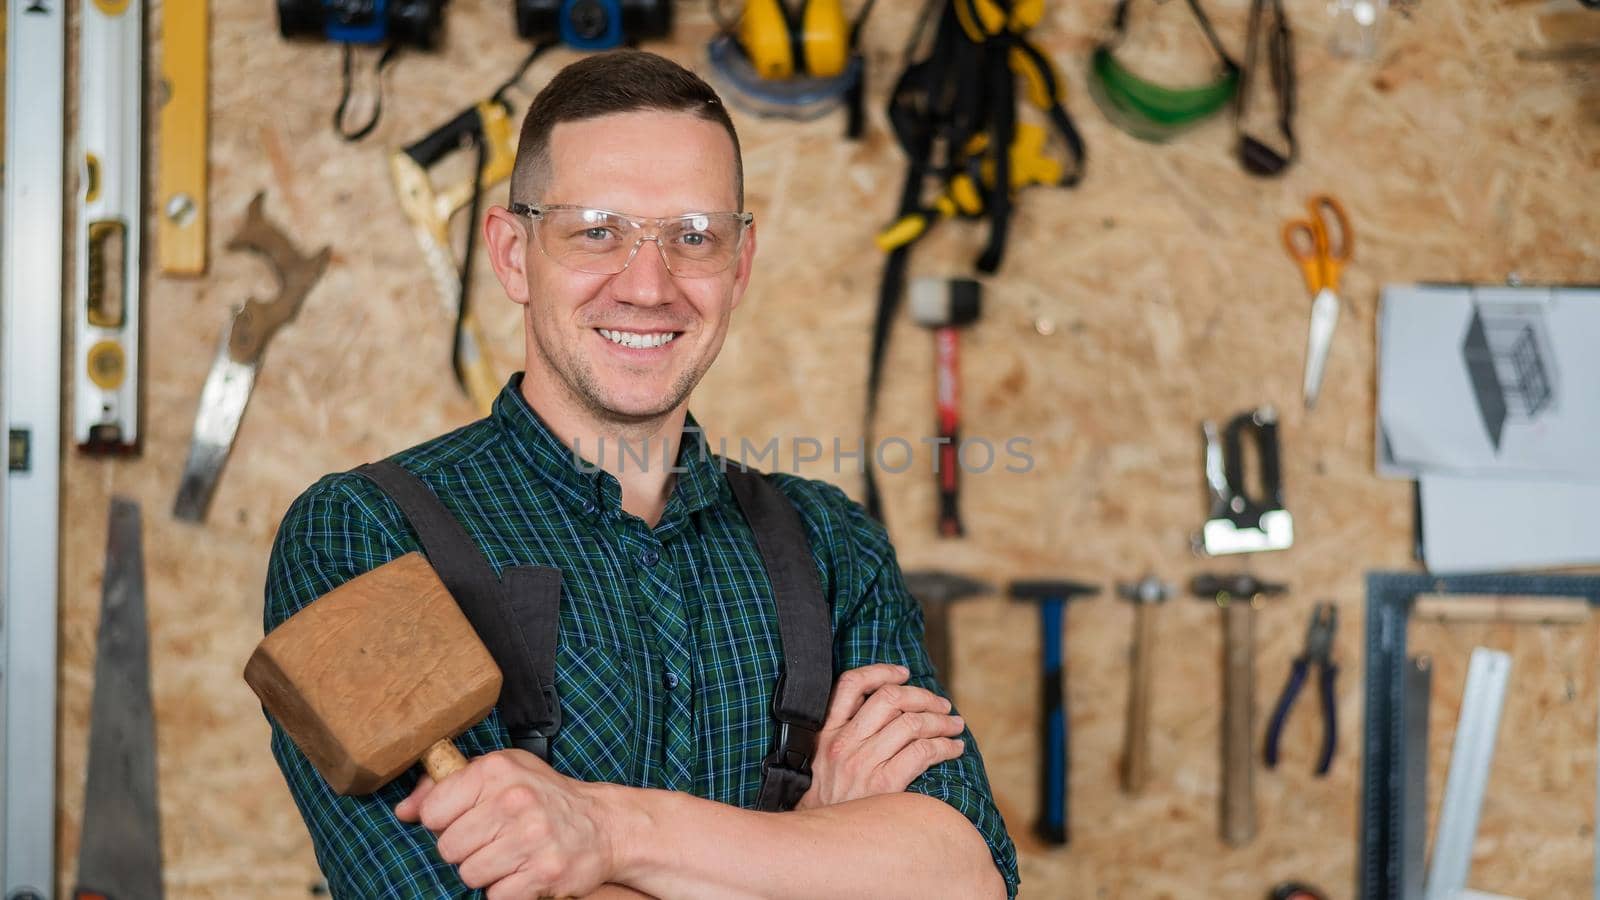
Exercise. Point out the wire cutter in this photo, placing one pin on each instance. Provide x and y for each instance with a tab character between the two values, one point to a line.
1319	646
1320	244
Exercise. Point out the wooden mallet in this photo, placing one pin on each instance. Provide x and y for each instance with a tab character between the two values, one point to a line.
376	674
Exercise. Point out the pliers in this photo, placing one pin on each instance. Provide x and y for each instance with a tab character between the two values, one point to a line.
1318	652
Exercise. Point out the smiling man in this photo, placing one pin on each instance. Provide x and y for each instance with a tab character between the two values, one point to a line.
627	246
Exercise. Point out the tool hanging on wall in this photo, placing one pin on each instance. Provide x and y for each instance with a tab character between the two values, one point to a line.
1238	522
1320	244
936	592
945	306
181	220
1055	757
244	341
485	130
1237	595
30	366
1269	23
1145	594
593	24
1150	111
391	23
1393	812
1318	654
106	248
1488	673
792	62
119	853
954	115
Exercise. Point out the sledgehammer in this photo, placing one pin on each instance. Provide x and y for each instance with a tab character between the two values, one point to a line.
944	306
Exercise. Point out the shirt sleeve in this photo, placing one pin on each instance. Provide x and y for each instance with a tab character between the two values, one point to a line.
884	625
331	534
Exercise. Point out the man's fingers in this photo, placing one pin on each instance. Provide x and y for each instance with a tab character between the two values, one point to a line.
886	704
918	757
485	865
406	810
468	835
854	686
908	729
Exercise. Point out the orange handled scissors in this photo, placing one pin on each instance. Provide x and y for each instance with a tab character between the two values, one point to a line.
1322	252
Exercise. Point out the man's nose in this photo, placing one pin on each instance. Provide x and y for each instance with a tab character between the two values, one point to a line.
646	281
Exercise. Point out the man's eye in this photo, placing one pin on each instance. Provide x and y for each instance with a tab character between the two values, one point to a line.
696	239
597	233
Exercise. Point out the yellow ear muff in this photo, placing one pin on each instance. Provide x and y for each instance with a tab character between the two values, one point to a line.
825	37
764	34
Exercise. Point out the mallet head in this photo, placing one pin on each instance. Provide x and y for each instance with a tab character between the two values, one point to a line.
368	676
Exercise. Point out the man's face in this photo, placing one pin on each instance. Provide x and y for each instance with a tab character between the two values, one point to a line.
581	326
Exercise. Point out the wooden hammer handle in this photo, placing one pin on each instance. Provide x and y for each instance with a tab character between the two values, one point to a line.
1238	724
1136	741
443	760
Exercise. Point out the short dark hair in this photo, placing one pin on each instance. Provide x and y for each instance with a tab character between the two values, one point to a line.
616	81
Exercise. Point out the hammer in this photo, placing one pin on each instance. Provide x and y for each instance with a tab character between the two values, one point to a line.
1238	595
1055	760
375	674
1144	594
936	590
944	306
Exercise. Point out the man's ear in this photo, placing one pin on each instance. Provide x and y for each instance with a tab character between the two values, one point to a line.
741	275
505	234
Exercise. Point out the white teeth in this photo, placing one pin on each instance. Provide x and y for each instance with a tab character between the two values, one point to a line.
637	341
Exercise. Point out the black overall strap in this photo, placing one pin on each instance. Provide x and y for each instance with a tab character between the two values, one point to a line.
520	635
800	702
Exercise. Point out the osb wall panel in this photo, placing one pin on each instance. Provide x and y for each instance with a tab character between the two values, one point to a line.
1166	299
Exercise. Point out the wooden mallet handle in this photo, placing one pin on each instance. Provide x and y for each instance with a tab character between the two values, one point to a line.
443	760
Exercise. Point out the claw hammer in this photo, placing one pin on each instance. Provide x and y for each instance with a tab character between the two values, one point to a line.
1238	595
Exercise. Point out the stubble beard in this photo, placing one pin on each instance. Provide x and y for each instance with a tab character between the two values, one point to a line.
574	371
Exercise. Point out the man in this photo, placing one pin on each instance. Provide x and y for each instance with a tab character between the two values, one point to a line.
666	651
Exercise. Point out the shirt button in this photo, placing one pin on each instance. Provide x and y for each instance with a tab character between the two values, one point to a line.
590	509
670	680
649	557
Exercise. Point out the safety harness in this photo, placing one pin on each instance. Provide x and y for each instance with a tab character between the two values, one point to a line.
954	115
516	613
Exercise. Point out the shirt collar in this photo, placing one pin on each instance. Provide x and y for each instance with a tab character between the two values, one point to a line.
700	482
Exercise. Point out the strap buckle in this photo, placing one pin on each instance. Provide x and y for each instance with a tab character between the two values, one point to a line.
535	738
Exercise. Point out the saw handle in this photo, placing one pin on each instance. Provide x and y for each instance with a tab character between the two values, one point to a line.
442	760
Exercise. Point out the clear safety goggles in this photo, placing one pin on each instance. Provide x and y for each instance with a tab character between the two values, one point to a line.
602	242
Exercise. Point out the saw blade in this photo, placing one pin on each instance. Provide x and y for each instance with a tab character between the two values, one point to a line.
120	852
222	402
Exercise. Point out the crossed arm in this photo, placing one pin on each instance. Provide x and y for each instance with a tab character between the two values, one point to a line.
515	826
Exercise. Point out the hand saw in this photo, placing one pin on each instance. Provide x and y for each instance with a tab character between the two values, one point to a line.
107	246
119	854
244	340
487	126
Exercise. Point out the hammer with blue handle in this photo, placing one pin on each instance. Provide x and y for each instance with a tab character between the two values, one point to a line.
1055	762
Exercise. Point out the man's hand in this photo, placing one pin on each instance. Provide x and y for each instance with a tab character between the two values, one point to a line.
511	823
880	735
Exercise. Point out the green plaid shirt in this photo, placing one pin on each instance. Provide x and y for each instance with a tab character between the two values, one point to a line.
666	663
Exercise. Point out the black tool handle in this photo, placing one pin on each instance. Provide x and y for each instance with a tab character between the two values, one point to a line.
1054	757
1280	713
447	138
1330	718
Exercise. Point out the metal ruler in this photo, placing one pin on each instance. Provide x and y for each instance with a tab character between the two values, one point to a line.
119	854
1470	757
1386	804
30	403
105	354
181	185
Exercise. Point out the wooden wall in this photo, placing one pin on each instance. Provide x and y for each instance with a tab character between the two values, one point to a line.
1171	301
